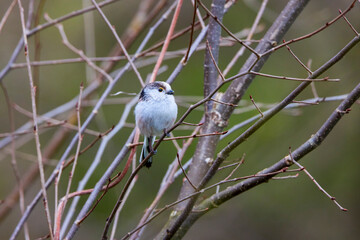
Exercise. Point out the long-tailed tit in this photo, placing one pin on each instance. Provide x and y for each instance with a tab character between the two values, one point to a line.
155	113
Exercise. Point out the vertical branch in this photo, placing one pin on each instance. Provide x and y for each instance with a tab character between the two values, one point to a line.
33	105
206	145
213	38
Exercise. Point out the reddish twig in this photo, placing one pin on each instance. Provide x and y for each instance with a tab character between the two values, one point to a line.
325	79
167	40
237	166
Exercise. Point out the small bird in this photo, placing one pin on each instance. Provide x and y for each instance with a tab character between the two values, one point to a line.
155	113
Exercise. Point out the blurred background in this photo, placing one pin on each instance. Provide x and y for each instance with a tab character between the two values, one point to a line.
280	209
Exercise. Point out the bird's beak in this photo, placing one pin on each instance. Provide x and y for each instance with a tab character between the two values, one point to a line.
170	92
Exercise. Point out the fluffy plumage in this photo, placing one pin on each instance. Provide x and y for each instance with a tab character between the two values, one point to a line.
155	112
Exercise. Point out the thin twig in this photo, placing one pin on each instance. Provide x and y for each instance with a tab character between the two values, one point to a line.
350	25
298	60
312	85
285	177
306	103
248	38
50	122
66	42
237	166
326	25
182	169
192	124
214	61
227	30
6	15
221	102
36	134
315	182
167	40
325	79
77	153
193	2
257	108
191	33
112	29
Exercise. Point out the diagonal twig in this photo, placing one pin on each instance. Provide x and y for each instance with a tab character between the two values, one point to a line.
315	182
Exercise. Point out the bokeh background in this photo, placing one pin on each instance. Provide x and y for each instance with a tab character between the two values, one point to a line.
279	209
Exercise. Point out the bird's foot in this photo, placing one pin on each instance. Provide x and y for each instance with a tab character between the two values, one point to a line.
166	133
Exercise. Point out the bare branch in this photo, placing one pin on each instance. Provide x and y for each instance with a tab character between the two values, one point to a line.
34	110
316	183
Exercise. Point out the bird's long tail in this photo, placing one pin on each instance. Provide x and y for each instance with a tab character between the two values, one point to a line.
147	148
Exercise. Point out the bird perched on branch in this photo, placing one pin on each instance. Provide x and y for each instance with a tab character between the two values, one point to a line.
155	113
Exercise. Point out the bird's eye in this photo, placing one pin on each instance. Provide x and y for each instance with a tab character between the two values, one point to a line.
161	89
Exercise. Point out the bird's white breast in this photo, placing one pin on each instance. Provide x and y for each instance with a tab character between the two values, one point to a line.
155	115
